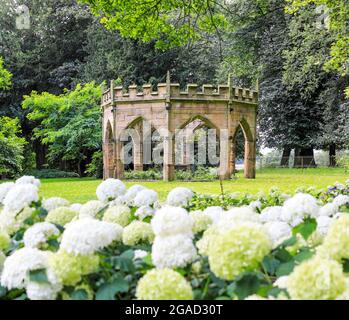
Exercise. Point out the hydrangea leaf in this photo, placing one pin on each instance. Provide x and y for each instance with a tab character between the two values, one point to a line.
38	276
79	294
285	268
108	290
306	228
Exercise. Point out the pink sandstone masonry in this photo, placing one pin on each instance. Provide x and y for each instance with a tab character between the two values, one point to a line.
225	108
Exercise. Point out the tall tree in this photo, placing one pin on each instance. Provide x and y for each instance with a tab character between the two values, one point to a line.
5	77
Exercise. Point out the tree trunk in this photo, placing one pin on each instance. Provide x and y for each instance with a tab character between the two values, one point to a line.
332	155
79	168
304	158
285	159
40	154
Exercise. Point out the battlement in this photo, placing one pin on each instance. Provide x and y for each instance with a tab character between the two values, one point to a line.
172	91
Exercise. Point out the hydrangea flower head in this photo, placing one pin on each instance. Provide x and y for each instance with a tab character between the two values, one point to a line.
4	189
118	214
316	279
61	216
28	180
173	251
37	235
54	203
163	284
336	242
21	196
179	197
145	197
300	206
17	266
69	268
110	189
201	221
237	250
84	237
170	221
137	232
91	208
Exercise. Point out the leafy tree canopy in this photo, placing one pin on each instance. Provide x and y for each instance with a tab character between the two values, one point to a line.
11	147
338	12
5	76
70	123
171	23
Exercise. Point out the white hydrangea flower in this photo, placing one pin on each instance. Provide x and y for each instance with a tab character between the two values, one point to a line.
144	211
4	189
215	213
278	232
20	196
329	210
119	201
145	197
17	266
39	233
323	224
54	203
173	251
281	282
254	205
170	221
270	214
110	189
90	209
131	194
244	214
89	235
297	208
341	200
12	221
140	254
76	207
29	180
2	260
42	291
179	197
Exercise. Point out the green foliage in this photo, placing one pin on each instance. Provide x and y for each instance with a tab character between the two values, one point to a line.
150	174
338	12
5	76
306	228
51	173
343	161
11	147
171	23
70	123
95	167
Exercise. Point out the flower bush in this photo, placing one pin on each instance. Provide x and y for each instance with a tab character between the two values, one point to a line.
129	245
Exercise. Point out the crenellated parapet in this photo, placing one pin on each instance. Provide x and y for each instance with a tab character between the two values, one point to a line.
172	91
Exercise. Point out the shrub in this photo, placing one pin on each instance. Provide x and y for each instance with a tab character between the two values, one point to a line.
95	167
52	173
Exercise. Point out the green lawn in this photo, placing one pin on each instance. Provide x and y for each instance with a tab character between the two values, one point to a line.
82	190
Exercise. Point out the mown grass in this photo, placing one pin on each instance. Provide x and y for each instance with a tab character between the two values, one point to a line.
288	180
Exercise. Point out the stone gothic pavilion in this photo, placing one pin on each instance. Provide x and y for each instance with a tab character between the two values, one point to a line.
168	109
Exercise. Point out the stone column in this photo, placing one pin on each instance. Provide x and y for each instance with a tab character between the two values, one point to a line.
250	159
233	156
168	173
224	156
118	164
138	149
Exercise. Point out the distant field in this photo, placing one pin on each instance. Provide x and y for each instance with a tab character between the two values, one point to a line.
82	190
